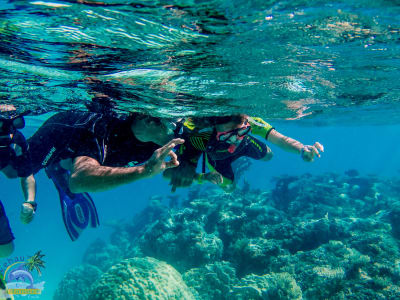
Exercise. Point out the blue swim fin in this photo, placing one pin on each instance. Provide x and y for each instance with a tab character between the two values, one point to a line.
78	210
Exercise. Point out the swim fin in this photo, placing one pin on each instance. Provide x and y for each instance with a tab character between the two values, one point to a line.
78	210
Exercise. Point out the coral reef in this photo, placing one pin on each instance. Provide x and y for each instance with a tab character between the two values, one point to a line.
216	280
280	286
102	255
182	235
329	236
76	283
141	279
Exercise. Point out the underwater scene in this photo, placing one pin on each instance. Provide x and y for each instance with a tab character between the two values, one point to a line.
199	149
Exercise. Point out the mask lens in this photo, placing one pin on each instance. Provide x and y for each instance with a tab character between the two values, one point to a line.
19	123
224	137
244	131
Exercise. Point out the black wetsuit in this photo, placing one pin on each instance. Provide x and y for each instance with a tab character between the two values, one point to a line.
106	138
221	159
217	155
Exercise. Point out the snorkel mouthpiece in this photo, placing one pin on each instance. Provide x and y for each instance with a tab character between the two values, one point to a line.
232	148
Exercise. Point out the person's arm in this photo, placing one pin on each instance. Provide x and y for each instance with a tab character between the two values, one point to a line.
28	185
286	143
307	152
263	129
188	156
87	175
28	208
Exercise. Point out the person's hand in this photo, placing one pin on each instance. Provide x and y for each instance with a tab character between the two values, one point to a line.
181	176
27	212
309	152
157	163
214	177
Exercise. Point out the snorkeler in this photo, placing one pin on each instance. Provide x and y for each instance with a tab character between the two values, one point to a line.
222	140
15	162
88	152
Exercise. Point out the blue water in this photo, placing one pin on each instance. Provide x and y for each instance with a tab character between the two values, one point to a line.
369	149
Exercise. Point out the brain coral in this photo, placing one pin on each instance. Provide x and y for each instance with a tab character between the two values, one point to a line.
76	283
141	278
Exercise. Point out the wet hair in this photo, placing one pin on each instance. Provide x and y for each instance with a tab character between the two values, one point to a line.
218	120
237	119
137	116
101	104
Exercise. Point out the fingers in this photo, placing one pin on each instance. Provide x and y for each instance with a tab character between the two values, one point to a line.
311	151
319	146
173	163
314	151
214	177
174	157
27	214
26	219
164	150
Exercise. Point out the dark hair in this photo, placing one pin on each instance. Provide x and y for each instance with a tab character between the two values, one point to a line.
212	121
101	104
238	118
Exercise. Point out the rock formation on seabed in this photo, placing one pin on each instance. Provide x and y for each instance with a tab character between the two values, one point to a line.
329	236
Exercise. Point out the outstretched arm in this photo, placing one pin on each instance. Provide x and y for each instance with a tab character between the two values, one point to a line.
284	142
291	145
28	185
88	175
265	130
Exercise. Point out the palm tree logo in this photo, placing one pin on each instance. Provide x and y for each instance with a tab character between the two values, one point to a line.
23	273
35	262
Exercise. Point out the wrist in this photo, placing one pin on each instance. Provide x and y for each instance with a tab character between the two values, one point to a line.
303	150
32	203
146	170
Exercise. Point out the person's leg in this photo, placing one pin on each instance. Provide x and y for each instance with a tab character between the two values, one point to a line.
6	236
